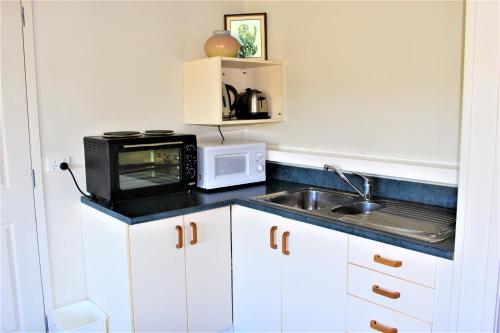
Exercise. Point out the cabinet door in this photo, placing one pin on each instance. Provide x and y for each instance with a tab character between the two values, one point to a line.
256	271
208	270
314	279
158	276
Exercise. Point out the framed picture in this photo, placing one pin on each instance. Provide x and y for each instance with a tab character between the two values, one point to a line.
251	31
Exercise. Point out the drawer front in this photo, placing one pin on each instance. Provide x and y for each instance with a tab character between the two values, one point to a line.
393	260
400	295
361	313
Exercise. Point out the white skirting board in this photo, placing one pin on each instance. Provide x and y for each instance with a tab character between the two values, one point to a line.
419	171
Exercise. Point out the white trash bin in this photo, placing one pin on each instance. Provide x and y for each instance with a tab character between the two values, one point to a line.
83	316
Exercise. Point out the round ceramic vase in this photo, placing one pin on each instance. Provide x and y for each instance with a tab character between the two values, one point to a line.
222	44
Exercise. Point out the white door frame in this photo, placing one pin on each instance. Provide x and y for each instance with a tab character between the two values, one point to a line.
36	155
475	282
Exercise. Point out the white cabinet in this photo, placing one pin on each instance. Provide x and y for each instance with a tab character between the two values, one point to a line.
107	267
398	289
203	80
158	276
288	275
256	271
208	270
314	278
170	275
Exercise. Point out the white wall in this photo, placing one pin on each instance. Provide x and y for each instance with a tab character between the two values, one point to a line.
368	78
107	66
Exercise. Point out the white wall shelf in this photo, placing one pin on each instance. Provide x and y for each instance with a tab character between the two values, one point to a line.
202	88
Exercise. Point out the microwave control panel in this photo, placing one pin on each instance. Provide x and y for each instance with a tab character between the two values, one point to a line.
260	161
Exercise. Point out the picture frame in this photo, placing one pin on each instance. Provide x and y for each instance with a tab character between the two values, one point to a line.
251	32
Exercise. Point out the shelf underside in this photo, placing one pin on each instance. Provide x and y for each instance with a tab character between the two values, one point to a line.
239	122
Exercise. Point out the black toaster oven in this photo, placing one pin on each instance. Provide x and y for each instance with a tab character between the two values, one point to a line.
126	168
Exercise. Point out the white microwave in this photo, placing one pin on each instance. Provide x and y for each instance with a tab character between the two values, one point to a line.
230	163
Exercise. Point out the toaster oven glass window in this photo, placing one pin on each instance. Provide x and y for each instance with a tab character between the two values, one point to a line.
151	167
230	164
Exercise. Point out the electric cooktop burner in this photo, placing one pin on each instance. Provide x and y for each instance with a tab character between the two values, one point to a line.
158	132
121	134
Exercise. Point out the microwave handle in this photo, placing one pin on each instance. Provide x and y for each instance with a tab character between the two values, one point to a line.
152	144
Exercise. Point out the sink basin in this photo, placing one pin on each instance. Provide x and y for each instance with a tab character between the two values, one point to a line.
308	199
357	208
429	224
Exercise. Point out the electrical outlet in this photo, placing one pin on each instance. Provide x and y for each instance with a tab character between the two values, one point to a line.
53	164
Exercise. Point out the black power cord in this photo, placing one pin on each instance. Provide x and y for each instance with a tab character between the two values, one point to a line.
65	166
223	139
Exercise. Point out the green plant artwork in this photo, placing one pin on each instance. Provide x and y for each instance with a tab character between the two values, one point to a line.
248	41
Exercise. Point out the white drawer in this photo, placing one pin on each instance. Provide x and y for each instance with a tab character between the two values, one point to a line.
413	299
360	314
410	265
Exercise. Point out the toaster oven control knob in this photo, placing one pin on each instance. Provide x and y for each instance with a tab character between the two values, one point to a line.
191	172
260	167
190	148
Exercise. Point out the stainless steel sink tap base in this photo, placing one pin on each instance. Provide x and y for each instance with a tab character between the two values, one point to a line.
367	182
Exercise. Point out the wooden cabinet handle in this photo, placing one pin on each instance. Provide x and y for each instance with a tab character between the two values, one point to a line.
388	262
284	242
180	242
272	237
195	233
384	292
382	328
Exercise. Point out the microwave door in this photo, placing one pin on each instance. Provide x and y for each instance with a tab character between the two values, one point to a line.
230	166
149	165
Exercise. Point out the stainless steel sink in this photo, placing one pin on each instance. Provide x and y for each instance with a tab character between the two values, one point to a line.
308	199
357	208
427	223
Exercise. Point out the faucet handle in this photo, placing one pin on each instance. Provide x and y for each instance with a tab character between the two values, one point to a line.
367	186
365	178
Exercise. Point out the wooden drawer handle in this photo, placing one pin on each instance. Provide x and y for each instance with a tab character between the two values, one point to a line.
272	237
384	292
195	233
180	242
284	238
388	262
382	328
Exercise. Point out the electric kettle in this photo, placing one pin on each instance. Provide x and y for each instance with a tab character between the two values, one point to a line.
228	106
251	104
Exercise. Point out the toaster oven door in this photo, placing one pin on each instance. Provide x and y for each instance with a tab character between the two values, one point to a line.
148	166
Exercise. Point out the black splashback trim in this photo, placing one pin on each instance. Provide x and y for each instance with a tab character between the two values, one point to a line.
429	194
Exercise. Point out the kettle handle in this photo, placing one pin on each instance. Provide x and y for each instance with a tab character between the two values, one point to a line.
232	89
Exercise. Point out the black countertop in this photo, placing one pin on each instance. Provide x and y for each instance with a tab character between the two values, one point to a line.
175	204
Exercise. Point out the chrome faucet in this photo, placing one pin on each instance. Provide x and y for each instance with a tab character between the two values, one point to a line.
367	185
